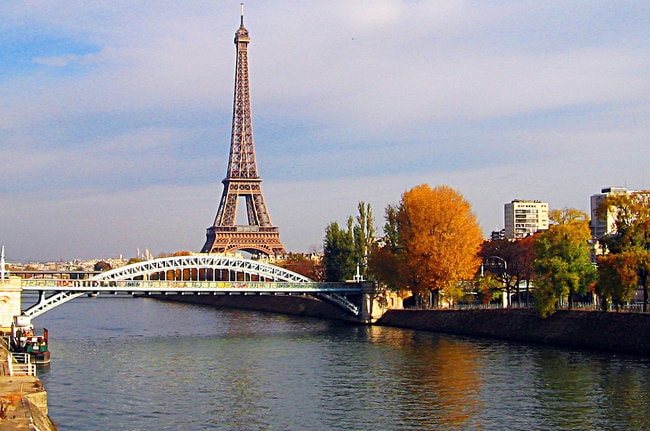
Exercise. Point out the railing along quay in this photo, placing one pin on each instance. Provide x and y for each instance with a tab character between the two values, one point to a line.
20	364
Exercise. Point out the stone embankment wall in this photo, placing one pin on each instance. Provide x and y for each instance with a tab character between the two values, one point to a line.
622	332
23	401
293	305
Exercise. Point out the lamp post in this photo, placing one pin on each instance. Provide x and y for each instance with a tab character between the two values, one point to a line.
504	275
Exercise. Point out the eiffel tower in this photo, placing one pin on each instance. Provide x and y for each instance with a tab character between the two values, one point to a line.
242	179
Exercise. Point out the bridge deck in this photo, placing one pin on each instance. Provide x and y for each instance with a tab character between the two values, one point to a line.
154	286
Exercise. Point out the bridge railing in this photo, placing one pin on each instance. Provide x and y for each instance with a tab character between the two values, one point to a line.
161	285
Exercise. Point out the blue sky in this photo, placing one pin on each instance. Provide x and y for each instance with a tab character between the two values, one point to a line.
115	117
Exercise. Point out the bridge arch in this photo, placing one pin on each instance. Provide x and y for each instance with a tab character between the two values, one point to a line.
246	267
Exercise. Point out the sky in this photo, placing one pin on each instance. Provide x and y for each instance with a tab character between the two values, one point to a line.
115	116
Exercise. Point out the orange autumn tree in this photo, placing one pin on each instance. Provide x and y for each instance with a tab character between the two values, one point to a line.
630	234
438	242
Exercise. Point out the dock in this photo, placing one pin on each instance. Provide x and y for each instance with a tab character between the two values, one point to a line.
23	400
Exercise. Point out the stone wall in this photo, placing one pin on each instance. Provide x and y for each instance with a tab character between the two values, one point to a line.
297	305
623	332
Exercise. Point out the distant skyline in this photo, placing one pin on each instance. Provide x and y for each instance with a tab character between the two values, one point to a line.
115	119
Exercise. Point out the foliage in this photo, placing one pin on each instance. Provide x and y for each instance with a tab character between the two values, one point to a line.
338	253
510	262
345	250
563	264
631	234
364	236
431	244
487	289
384	258
617	279
102	265
305	265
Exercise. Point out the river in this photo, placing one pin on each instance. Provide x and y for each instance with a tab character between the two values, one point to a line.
121	363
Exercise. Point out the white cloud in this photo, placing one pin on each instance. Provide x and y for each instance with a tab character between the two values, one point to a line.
121	117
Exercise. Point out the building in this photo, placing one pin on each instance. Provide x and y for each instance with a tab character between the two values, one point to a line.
525	217
498	235
602	226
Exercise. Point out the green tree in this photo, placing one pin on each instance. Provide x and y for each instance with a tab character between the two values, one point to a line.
345	250
364	236
563	264
631	233
338	252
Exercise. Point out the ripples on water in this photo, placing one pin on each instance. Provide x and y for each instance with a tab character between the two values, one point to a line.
140	364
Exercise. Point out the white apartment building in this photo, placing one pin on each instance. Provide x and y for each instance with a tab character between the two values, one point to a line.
525	217
602	226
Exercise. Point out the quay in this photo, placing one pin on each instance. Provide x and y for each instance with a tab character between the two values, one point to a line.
23	400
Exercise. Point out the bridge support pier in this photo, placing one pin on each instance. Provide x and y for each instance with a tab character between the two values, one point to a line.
372	306
10	301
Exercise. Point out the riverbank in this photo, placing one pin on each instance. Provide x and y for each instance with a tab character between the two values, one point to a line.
619	332
595	330
23	401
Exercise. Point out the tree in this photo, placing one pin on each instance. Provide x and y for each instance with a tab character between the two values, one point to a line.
383	260
305	265
345	250
511	263
525	264
436	245
563	264
631	233
338	252
102	266
617	279
364	236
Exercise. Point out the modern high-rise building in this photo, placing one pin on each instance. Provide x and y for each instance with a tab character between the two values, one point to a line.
602	226
525	217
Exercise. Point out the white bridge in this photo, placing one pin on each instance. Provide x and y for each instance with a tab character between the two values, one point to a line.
202	274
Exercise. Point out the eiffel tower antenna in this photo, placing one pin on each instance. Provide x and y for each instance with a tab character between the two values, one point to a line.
259	236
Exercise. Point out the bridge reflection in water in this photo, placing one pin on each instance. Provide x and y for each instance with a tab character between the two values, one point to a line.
197	274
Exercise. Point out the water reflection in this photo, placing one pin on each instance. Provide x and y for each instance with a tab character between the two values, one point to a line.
578	389
441	378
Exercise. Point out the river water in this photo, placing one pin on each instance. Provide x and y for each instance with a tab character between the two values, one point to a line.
122	363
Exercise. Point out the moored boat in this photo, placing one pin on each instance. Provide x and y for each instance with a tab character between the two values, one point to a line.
24	340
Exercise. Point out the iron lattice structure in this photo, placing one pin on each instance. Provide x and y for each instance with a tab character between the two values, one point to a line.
242	179
192	275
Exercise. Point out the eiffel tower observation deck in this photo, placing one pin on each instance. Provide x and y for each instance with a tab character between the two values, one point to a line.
242	182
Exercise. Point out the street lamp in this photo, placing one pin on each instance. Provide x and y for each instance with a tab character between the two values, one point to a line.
506	299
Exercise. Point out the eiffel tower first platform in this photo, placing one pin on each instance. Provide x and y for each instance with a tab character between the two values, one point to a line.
242	181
